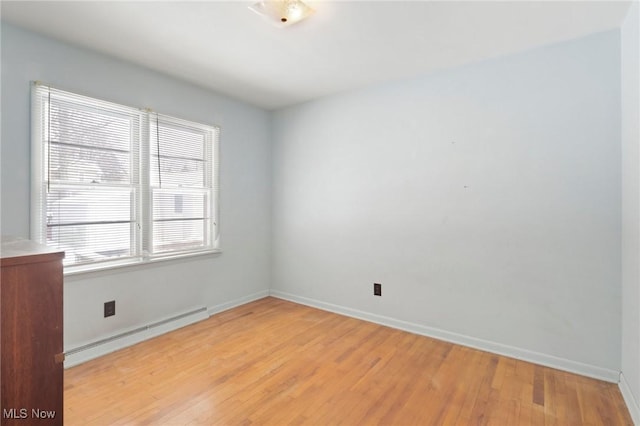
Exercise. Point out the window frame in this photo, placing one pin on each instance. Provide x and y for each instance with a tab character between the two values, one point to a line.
141	242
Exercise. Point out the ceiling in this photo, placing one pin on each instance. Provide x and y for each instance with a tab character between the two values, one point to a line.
222	45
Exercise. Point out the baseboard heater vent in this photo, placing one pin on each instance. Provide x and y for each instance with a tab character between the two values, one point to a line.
113	343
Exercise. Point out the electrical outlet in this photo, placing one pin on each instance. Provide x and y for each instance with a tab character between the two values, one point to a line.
109	308
377	289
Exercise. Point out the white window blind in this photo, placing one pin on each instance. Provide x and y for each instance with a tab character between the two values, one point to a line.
182	185
113	184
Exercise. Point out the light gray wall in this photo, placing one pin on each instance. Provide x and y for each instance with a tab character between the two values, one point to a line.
143	294
485	199
630	201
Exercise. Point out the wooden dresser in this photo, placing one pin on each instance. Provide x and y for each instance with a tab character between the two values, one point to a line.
31	333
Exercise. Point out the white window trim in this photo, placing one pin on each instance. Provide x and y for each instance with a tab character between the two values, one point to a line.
143	190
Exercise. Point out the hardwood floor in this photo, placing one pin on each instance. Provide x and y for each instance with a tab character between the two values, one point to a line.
273	362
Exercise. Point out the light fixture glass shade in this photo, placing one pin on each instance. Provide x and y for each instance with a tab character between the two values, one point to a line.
282	13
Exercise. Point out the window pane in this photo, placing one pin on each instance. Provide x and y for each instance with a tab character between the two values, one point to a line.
91	243
178	235
180	175
179	205
91	225
179	152
70	205
88	165
176	140
179	220
177	172
72	123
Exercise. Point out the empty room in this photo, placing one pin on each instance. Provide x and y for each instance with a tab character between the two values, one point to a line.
320	212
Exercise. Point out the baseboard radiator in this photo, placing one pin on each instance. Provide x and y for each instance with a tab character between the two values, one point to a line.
97	348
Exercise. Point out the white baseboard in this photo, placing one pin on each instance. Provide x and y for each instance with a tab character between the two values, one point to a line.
630	400
481	344
130	337
237	302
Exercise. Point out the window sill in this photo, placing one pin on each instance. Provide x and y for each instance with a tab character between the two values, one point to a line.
75	271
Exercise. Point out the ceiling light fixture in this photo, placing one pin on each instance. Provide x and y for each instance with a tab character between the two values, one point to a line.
282	13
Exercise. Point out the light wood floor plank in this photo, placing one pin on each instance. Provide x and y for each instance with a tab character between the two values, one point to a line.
273	362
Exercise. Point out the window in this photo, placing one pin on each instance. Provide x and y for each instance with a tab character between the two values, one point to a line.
115	185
